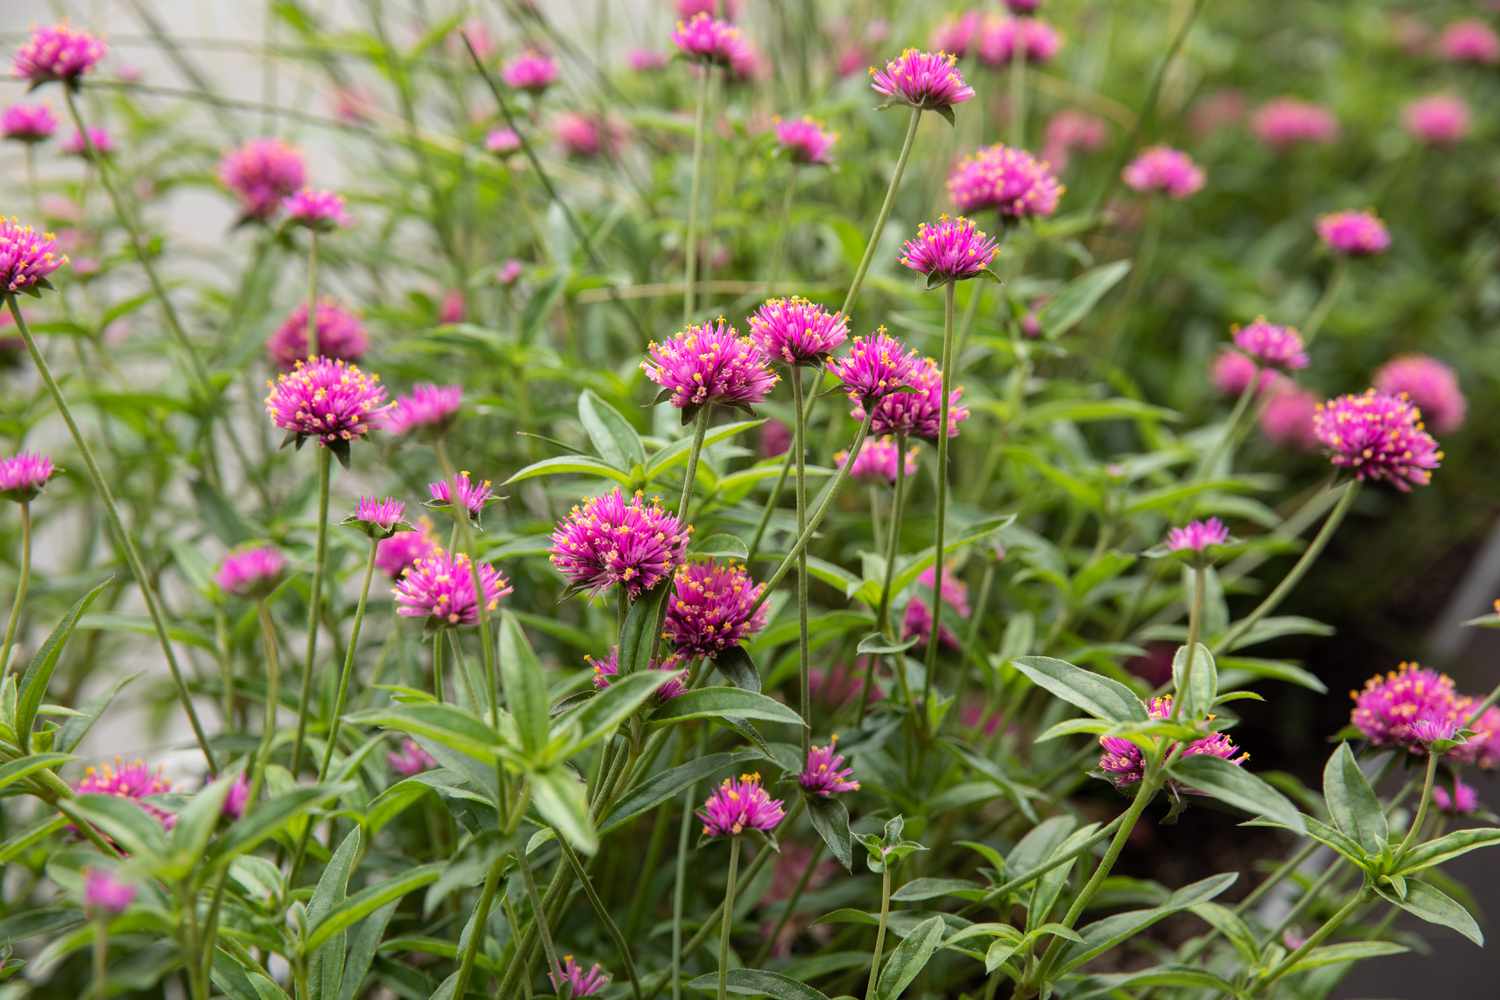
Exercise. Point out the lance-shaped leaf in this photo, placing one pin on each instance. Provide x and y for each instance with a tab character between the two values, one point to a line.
1098	696
1237	787
1352	803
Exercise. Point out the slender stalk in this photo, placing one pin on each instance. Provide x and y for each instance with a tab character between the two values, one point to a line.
611	928
481	607
728	921
700	430
690	244
21	584
804	653
127	545
1012	884
1422	804
314	606
1018	96
312	293
437	665
885	913
679	884
1324	305
885	211
1195	623
548	947
1317	938
273	697
933	641
101	957
476	930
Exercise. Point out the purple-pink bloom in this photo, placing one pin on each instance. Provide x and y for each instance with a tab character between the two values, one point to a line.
440	588
1286	122
1002	39
955	34
646	60
806	141
1232	373
472	495
1470	41
826	774
1462	801
326	399
427	407
1271	345
502	141
1439	120
23	475
105	895
320	210
876	461
453	307
796	331
926	80
1124	765
712	608
1378	437
1482	749
1069	130
382	513
1430	384
101	141
710	363
134	781
27	122
411	759
578	982
586	137
1287	418
27	257
737	806
917	413
1354	234
1007	180
609	667
510	272
875	367
1196	536
950	250
252	572
1388	706
918	618
262	174
610	540
57	52
531	71
236	798
397	554
341	336
704	38
1164	170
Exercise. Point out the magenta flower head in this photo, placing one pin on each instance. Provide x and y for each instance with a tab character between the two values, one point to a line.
253	572
427	408
1232	373
1271	346
1007	180
326	399
397	554
806	141
503	142
1163	170
673	664
27	257
1354	234
27	122
1470	41
826	774
585	137
705	39
1195	541
1069	130
1439	120
709	364
611	541
796	331
949	250
236	798
1430	384
100	140
341	336
411	759
929	81
510	272
918	618
57	53
712	608
1388	706
474	496
737	806
875	367
1002	39
104	895
1287	122
1123	764
1378	437
1288	416
530	71
956	33
578	982
262	174
379	518
1483	747
23	475
320	210
646	61
917	413
876	461
134	781
440	589
1462	801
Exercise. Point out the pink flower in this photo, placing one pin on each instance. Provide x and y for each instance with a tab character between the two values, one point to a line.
705	39
104	894
474	496
737	806
796	331
236	798
411	759
1463	801
77	145
1469	41
1286	122
1001	38
1439	120
1354	234
876	461
1164	170
1271	345
610	541
134	781
609	667
530	71
951	250
253	572
917	413
585	138
57	53
427	407
341	336
440	589
397	554
1378	437
775	439
453	307
955	33
262	174
712	608
1430	384
1483	748
1232	373
710	363
918	618
1006	180
1070	130
27	122
1219	109
826	774
875	367
805	141
23	475
646	60
510	272
579	982
1288	416
502	141
1384	712
1197	536
1124	765
26	256
926	80
326	399
320	210
379	516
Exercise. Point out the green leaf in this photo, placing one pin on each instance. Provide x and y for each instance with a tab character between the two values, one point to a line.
876	644
571	465
715	702
1352	803
830	818
125	822
598	717
362	904
38	673
920	889
758	983
722	545
446	724
364	941
195	826
525	686
333	887
613	438
1102	935
638	636
735	666
1351	951
25	767
1196	979
1233	927
1237	787
1078	297
267	819
662	786
676	453
1199	701
1437	907
910	958
562	800
1098	696
1448	847
77	727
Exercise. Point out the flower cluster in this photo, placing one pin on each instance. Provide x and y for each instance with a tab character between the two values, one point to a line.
927	80
378	516
1470	41
1379	438
502	141
1439	120
23	475
410	759
875	367
876	461
134	781
263	173
440	589
1406	708
1070	130
1124	765
105	894
710	363
796	331
1287	418
917	413
326	399
918	617
27	122
341	336
27	257
610	540
806	141
530	71
609	667
1354	234
252	572
579	983
737	806
1287	122
1164	170
950	250
1197	536
826	774
1271	345
427	407
472	495
705	39
319	210
1003	39
395	555
1007	180
586	137
57	52
1430	384
87	144
712	608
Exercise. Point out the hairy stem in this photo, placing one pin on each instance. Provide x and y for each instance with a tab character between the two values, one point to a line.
314	606
885	913
933	640
728	922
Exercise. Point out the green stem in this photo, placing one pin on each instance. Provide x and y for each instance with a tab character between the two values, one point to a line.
679	885
610	927
101	959
1325	302
1012	884
481	607
437	665
312	293
315	602
1195	622
476	929
885	212
700	430
21	584
1317	938
127	545
885	913
690	244
933	641
1421	817
728	922
1018	97
548	947
804	652
273	696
